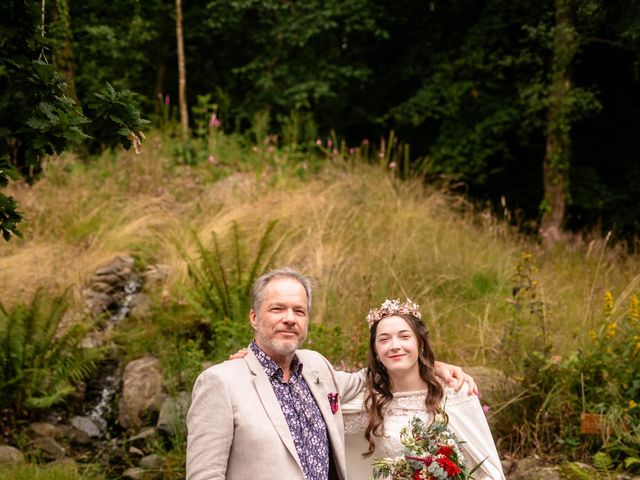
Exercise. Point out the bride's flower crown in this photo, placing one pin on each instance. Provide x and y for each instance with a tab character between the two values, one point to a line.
393	307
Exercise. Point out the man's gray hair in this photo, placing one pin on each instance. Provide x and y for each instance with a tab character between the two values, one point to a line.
257	291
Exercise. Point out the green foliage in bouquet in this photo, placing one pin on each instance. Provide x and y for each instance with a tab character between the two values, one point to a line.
430	452
39	363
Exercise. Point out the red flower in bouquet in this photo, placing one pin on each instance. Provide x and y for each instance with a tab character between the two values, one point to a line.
430	452
448	466
445	450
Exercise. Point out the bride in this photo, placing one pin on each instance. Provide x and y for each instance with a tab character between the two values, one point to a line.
400	384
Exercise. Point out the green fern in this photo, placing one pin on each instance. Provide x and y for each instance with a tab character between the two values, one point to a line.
221	278
39	365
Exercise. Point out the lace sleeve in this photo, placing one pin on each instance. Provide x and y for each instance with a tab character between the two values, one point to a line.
354	416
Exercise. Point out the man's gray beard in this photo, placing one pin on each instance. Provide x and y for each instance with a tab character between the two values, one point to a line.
281	348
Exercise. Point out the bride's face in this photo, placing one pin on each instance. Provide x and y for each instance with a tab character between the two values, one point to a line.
396	346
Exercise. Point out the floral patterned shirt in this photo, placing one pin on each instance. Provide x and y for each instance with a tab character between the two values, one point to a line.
303	415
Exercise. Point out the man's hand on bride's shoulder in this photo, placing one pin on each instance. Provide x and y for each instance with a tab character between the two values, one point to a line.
454	377
239	354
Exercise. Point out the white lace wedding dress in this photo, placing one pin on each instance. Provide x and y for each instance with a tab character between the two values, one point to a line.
466	420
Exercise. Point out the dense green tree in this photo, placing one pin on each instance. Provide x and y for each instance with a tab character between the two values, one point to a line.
37	114
482	88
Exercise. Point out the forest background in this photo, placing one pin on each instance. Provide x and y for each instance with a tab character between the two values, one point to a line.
529	110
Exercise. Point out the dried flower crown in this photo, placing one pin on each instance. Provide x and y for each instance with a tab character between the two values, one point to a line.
393	307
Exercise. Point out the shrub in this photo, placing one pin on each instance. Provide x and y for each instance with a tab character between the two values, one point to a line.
221	281
39	364
601	377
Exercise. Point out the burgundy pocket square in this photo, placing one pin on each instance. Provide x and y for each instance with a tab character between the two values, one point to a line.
333	401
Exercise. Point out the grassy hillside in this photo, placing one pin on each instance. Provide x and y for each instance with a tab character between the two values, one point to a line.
489	296
363	234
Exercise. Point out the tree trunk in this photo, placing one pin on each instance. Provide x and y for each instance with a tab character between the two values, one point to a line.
160	80
62	58
182	74
557	153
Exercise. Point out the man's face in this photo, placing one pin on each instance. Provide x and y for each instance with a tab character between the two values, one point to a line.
280	325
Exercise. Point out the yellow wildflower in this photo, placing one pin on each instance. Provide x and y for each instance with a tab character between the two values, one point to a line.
632	404
634	312
612	329
608	303
592	334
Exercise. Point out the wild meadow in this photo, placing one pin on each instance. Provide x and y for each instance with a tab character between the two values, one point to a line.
561	322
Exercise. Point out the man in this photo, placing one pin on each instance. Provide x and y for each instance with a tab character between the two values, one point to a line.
275	413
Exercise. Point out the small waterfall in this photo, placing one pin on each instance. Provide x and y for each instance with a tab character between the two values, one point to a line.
102	388
130	290
100	393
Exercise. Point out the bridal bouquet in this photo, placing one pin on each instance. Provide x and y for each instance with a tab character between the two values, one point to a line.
431	452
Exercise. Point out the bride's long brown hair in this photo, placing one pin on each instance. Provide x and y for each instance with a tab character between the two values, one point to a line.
379	395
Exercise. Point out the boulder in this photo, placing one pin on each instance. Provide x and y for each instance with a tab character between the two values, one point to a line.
156	274
49	447
497	392
174	413
144	436
135	451
140	305
107	289
134	473
122	266
9	454
142	392
44	429
86	425
534	469
151	462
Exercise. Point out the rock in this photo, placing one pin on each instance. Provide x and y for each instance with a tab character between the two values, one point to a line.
144	435
136	451
121	266
140	305
49	447
142	391
100	286
86	425
155	274
97	302
151	462
9	454
79	437
44	429
108	287
535	469
496	390
173	413
134	473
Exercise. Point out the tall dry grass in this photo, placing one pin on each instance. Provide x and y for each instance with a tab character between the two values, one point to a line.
359	231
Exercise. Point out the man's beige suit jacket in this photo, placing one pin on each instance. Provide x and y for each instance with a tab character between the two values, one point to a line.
237	430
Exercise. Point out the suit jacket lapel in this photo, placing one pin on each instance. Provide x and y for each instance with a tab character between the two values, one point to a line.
319	393
271	404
